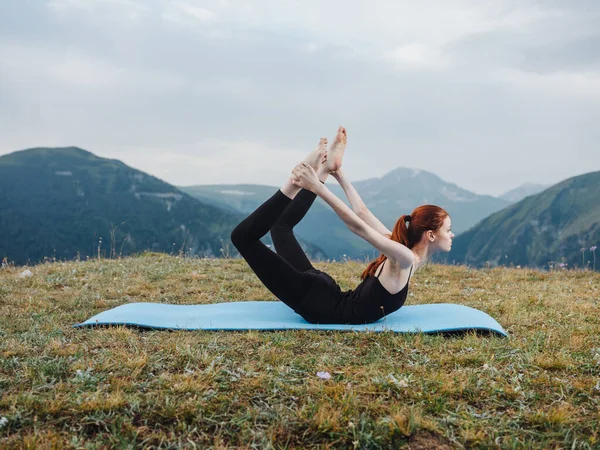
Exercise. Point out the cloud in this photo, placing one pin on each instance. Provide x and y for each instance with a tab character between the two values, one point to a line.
584	84
476	92
201	14
128	9
202	162
41	63
415	55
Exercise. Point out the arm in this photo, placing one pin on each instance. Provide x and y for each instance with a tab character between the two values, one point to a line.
358	205
305	176
395	251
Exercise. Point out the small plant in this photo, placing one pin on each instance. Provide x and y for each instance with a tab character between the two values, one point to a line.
583	257
113	242
225	250
593	250
181	253
123	243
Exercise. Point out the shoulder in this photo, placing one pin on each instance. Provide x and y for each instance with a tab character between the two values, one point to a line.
407	260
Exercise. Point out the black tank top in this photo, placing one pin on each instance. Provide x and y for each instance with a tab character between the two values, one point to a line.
370	301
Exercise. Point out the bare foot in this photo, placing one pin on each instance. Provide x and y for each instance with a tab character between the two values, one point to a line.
318	155
336	150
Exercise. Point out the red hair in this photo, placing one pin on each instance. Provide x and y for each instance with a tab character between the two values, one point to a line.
409	230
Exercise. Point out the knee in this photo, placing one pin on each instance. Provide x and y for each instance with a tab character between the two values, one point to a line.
281	227
310	317
238	236
275	230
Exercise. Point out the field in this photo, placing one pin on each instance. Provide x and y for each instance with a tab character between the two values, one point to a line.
119	387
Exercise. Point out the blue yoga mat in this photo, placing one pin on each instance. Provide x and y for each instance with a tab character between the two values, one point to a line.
268	315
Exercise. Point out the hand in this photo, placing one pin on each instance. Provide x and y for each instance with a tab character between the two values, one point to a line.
337	174
304	176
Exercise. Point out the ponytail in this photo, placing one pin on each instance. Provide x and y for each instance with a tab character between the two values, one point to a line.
409	229
400	234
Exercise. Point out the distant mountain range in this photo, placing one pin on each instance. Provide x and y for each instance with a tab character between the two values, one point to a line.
61	202
396	193
551	227
67	202
525	190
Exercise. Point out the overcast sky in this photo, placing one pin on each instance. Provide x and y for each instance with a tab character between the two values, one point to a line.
487	95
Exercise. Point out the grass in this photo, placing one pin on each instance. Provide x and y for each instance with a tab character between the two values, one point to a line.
118	387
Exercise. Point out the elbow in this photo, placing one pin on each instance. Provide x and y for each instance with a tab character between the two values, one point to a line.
354	228
360	211
357	228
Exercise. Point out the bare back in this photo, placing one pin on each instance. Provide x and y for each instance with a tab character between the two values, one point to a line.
392	277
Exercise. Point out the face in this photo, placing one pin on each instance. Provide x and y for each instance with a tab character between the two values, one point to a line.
444	236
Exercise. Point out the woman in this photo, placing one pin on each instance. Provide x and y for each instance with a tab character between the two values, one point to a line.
313	294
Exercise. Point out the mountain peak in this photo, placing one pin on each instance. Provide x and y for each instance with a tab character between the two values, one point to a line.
409	172
402	174
522	191
72	150
22	156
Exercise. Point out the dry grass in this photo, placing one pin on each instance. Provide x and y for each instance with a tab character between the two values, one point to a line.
123	388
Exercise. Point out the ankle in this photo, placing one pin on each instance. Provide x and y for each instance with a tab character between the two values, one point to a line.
289	189
322	174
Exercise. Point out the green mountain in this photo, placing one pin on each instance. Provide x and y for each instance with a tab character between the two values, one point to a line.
65	202
396	193
547	228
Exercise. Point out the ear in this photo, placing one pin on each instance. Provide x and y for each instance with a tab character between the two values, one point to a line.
430	235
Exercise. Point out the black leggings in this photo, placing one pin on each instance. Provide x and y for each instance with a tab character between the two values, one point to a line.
288	274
